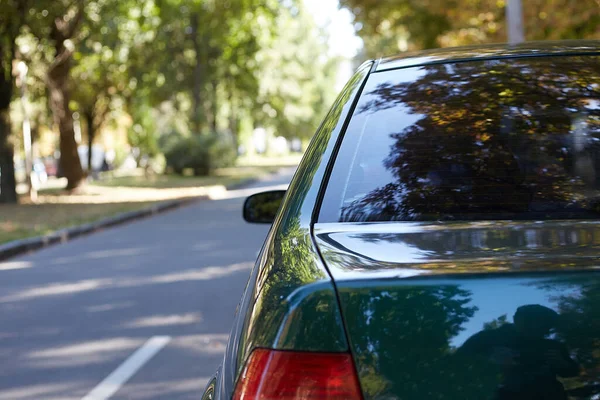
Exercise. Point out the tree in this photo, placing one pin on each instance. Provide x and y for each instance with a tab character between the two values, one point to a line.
62	32
98	68
226	68
390	26
211	45
11	22
56	24
297	78
176	66
226	38
92	87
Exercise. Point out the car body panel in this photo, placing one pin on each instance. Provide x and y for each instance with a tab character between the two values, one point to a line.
412	294
482	309
409	249
290	301
455	337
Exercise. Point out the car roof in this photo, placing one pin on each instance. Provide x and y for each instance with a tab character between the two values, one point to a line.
486	52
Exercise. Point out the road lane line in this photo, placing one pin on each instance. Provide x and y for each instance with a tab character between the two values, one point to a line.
119	376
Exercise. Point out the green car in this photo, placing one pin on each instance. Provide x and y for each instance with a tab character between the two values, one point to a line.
440	239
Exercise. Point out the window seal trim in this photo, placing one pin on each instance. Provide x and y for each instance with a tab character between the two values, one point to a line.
483	58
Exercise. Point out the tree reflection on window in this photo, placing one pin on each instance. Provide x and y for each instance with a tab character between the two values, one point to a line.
500	139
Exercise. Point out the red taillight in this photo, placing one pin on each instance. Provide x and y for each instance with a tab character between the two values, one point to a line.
273	374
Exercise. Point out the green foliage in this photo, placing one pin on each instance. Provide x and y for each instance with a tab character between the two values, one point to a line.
143	134
192	66
401	337
200	153
390	26
296	88
230	65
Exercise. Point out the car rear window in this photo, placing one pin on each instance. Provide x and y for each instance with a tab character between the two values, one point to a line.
477	140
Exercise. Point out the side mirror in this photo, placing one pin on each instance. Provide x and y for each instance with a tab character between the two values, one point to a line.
261	208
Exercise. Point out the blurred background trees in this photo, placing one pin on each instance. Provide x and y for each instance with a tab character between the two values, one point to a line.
390	26
191	84
184	82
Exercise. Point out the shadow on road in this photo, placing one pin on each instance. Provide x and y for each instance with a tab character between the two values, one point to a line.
71	314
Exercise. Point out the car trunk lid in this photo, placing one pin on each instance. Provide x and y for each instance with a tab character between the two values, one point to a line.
469	310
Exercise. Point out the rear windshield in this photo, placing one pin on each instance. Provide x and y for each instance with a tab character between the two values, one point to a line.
481	140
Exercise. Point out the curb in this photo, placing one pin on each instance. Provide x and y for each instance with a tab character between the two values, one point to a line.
17	247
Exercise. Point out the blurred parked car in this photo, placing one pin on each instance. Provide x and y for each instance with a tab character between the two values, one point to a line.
439	239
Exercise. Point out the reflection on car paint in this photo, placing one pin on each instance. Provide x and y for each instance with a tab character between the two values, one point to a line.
452	338
479	311
371	249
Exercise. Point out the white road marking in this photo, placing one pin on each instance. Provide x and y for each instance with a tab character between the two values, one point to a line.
119	376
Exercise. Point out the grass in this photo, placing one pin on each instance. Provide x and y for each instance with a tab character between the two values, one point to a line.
224	176
27	220
112	195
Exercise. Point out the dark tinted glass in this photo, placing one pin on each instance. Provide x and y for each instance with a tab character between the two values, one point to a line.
496	139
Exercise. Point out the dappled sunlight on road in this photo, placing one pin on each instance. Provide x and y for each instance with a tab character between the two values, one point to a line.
163	320
109	307
50	391
202	344
95	255
202	274
73	313
82	354
11	265
86	348
206	245
57	289
32	332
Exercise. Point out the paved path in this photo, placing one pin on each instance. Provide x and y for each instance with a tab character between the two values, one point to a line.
164	288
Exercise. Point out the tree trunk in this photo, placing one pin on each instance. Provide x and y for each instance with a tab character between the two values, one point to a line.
58	76
8	184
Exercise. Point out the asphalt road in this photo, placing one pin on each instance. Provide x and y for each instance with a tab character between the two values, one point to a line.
148	304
